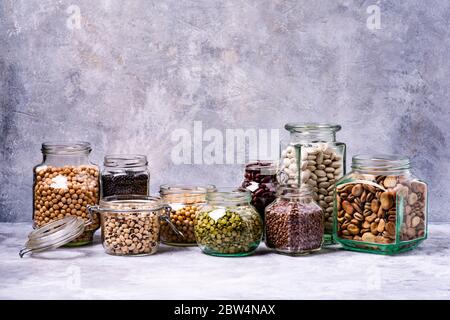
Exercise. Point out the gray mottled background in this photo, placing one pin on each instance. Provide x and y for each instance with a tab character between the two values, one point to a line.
136	70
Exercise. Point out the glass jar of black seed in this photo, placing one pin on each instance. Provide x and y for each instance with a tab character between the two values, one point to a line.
125	174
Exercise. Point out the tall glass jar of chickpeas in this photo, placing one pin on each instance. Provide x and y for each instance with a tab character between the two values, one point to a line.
65	183
185	202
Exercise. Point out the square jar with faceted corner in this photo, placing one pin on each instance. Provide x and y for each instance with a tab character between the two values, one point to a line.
313	159
380	207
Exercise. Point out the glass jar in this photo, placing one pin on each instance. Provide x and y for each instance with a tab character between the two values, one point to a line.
125	174
130	224
260	179
294	222
380	206
64	184
185	202
313	158
228	225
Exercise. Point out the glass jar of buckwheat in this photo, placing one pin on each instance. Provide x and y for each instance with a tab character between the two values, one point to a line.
380	206
65	184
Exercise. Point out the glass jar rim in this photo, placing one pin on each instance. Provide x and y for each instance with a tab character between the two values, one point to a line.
267	167
125	160
305	127
229	195
175	189
380	162
66	147
127	203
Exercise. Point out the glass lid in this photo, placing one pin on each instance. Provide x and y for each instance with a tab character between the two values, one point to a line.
53	235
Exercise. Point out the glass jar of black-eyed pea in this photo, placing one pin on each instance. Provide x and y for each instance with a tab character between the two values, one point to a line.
185	202
228	225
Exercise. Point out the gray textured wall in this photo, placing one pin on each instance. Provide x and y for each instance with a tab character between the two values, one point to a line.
135	70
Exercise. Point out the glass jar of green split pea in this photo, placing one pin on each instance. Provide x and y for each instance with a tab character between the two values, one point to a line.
228	225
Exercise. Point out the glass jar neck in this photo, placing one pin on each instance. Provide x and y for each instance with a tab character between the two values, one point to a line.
130	202
381	164
229	198
66	153
310	133
295	193
263	167
184	193
125	162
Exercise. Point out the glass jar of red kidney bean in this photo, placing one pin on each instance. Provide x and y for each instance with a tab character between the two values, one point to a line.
260	179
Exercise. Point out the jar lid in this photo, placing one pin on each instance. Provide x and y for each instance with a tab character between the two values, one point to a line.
53	235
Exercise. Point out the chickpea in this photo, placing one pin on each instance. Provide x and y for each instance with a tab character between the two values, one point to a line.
53	203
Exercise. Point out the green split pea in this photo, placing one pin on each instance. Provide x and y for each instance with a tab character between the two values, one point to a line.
237	231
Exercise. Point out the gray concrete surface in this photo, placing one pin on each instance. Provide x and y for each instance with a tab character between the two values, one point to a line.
125	74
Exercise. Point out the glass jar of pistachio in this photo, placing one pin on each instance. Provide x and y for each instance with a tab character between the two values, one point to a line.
228	225
65	184
184	202
380	206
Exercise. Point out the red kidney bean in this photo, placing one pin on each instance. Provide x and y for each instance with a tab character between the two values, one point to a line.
264	174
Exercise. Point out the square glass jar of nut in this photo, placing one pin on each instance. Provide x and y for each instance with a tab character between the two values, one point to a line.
380	206
65	184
